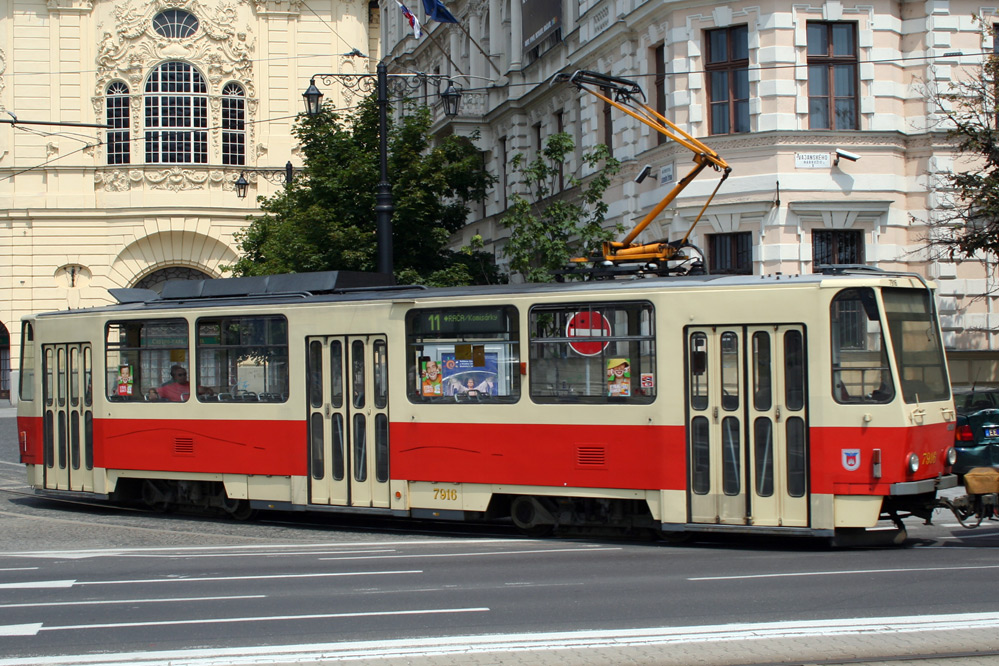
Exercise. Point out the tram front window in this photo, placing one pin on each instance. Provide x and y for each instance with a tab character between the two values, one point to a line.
916	345
860	370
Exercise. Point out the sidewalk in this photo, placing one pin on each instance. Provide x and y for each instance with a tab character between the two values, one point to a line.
7	411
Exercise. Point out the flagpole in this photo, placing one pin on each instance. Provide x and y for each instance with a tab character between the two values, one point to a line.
481	50
446	54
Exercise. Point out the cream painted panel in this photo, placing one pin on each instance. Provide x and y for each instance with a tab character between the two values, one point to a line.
857	510
235	486
674	506
822	512
277	488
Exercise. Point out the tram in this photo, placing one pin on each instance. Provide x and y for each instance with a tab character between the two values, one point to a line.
785	404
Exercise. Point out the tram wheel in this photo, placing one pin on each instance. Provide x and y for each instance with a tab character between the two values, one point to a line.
238	509
531	518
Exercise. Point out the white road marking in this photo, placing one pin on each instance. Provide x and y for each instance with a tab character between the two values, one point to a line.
182	579
264	618
133	601
844	573
20	629
38	584
543	551
282	554
118	552
417	649
6	462
20	569
49	584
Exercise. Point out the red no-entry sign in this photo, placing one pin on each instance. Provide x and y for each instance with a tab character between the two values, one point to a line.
588	325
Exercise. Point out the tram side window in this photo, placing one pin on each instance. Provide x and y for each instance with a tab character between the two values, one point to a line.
593	353
26	388
860	370
243	359
916	345
463	355
145	358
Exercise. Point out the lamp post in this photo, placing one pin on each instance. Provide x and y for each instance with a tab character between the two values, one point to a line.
402	84
242	184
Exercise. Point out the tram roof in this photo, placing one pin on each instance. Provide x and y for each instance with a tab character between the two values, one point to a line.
351	286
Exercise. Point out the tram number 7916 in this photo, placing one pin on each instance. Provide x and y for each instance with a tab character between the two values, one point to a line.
446	494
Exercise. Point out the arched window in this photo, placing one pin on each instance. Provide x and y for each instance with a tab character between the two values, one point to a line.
176	115
175	24
118	137
156	279
233	124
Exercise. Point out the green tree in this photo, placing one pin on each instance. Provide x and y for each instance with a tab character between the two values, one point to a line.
326	219
965	222
547	226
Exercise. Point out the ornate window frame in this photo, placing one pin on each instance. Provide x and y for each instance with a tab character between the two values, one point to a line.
119	136
221	50
175	107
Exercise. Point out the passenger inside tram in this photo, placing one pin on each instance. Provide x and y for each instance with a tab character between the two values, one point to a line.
178	389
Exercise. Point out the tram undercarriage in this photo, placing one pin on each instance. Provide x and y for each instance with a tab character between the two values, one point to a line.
541	515
170	495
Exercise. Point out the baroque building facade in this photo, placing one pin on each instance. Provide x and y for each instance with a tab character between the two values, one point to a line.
195	93
777	89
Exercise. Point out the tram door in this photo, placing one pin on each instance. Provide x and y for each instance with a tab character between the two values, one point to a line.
68	417
776	426
716	447
747	455
348	420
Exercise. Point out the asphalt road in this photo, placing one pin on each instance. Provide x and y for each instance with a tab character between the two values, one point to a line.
93	584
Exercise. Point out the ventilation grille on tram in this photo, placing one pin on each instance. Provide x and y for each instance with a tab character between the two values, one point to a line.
183	446
591	456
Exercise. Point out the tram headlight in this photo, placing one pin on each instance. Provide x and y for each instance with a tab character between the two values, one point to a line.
951	456
913	463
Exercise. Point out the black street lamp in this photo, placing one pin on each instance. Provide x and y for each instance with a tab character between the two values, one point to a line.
402	84
242	184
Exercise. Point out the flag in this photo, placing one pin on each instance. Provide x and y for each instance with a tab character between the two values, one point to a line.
436	11
413	23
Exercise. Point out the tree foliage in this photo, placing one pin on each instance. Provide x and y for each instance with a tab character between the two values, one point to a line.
325	220
549	225
965	222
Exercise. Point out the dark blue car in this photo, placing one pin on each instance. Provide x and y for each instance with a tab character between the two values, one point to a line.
977	435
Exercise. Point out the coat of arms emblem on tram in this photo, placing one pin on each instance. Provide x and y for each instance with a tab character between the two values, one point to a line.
851	459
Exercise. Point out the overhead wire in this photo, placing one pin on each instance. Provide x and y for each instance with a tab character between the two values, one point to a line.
332	29
357	53
47	162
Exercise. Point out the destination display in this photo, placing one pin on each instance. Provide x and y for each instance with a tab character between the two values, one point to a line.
450	322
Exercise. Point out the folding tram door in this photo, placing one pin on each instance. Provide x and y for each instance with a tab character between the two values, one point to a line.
747	454
68	416
348	420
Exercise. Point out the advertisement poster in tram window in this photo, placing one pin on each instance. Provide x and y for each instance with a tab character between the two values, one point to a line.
618	377
470	376
125	380
430	374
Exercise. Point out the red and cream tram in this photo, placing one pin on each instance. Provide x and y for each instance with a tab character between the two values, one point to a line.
813	404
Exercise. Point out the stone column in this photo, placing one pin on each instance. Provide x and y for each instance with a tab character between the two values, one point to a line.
516	34
496	35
